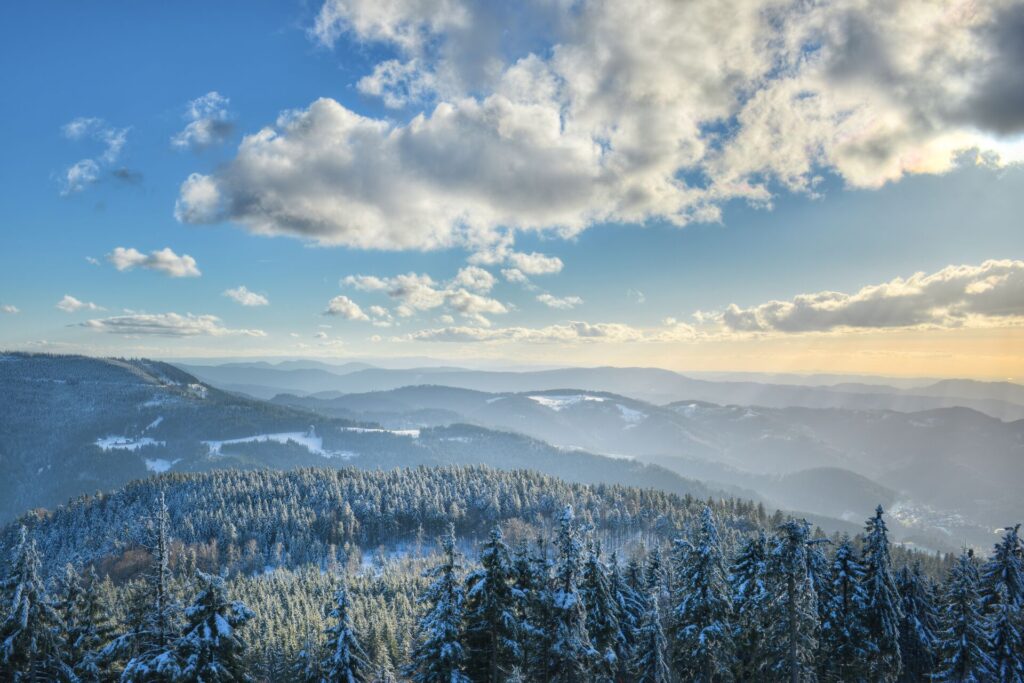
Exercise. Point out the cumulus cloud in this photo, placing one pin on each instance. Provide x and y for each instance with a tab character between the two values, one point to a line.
515	275
580	113
346	308
416	292
166	325
242	295
562	303
9	308
956	296
70	304
209	123
162	260
87	171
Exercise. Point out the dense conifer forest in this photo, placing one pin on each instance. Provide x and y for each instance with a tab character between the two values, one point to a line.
473	574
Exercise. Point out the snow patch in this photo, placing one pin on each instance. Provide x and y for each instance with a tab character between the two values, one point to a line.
414	433
631	415
310	440
154	424
557	403
160	465
124	443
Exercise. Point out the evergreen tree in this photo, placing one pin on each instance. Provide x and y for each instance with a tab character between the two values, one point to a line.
793	639
603	616
1003	599
571	652
345	660
919	625
748	581
884	611
152	639
963	641
439	656
651	663
210	650
702	619
492	624
843	634
31	647
629	607
88	624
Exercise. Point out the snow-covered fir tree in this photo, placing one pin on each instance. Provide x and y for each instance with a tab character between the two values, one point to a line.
651	662
439	656
884	611
702	617
492	620
344	659
31	647
919	626
748	581
88	623
629	607
793	638
571	652
843	634
963	642
211	648
604	621
1002	583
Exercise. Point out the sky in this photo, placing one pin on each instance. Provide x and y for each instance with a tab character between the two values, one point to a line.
748	185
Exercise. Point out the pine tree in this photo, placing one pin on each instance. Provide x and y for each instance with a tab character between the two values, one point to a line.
345	660
843	632
748	581
88	625
884	611
211	649
1003	601
533	589
439	656
31	647
492	625
152	640
919	625
963	641
793	637
651	662
571	651
703	607
629	607
603	616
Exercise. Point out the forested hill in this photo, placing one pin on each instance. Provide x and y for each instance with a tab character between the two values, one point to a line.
71	425
238	519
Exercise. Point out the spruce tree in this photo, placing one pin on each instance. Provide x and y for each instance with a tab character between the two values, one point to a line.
793	638
571	651
748	581
603	616
629	607
211	649
439	656
884	611
963	642
31	647
1003	601
651	664
492	624
344	660
88	624
919	624
843	633
702	624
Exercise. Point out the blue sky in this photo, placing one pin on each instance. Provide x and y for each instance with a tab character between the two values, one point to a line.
639	246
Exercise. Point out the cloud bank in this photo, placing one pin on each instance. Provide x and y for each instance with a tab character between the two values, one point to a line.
166	325
589	112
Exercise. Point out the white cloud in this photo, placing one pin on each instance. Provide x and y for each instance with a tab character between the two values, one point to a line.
70	304
557	116
166	325
92	260
956	296
535	264
562	303
87	171
9	308
209	122
515	275
242	295
162	260
475	278
346	308
574	332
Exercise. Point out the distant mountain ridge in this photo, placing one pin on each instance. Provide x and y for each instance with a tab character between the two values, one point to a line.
1003	400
